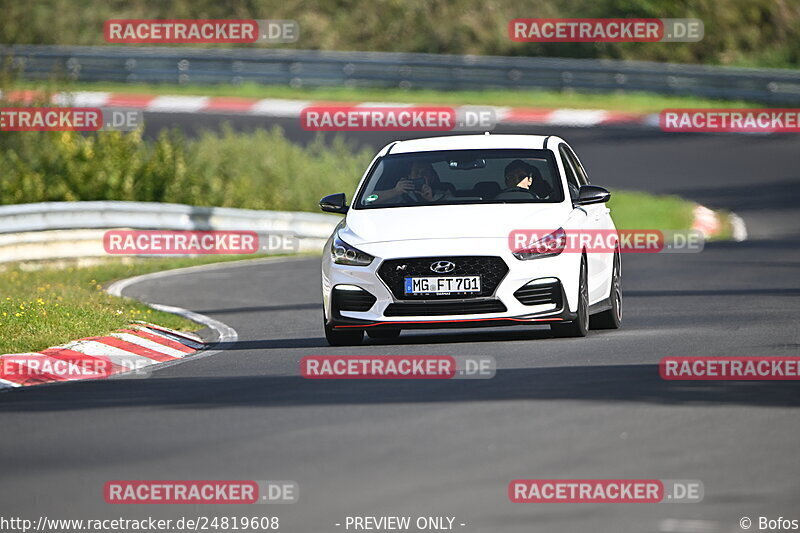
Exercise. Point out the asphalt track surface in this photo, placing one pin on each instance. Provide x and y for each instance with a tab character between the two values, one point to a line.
558	408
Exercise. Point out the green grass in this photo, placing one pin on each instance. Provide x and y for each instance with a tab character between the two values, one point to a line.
639	210
632	101
50	306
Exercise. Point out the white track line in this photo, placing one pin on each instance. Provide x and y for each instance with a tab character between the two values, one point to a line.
226	335
8	384
116	288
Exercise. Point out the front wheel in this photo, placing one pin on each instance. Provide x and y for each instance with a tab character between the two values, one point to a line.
580	326
347	337
612	318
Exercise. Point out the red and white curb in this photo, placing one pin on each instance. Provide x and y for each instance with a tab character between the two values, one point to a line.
285	108
707	222
128	350
573	117
158	347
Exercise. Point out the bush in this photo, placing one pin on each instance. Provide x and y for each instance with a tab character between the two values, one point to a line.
259	170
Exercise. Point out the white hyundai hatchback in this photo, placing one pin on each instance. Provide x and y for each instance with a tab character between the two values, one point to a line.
425	242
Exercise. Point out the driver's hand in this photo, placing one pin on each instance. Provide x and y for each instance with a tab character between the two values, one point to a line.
426	192
404	185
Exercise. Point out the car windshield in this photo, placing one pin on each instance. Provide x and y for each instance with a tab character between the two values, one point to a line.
461	177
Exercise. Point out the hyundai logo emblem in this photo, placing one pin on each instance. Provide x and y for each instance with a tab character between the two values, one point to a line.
443	267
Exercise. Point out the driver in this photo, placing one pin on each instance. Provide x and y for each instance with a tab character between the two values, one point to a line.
520	176
421	184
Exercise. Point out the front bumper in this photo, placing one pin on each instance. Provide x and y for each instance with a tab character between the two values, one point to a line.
351	323
383	313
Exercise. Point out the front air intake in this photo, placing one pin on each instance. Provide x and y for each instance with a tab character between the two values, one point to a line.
352	299
534	293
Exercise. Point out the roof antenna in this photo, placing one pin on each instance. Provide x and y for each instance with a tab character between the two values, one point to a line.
486	133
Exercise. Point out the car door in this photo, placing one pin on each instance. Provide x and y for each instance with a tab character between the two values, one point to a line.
578	221
598	219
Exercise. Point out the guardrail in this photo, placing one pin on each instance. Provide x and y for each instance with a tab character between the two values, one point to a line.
60	230
304	68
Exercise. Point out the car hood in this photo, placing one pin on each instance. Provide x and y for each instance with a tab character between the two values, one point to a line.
367	226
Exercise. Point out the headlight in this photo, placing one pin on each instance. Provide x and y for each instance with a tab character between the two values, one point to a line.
548	246
344	254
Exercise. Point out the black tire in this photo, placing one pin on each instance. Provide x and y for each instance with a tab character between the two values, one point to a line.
383	333
611	318
580	326
347	337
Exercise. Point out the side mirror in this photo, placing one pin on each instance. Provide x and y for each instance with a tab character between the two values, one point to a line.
334	203
592	194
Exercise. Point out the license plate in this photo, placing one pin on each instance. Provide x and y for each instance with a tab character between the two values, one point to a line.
443	285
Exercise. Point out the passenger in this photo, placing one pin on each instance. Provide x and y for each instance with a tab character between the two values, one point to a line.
520	176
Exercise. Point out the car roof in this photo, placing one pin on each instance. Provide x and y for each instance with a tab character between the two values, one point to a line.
469	142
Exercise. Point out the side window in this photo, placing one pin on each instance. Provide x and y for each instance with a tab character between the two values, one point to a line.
583	179
572	180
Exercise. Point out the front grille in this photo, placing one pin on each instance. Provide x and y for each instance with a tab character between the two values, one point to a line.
352	300
549	293
492	270
445	308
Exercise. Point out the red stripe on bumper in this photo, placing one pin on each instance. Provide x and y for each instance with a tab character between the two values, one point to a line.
556	319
